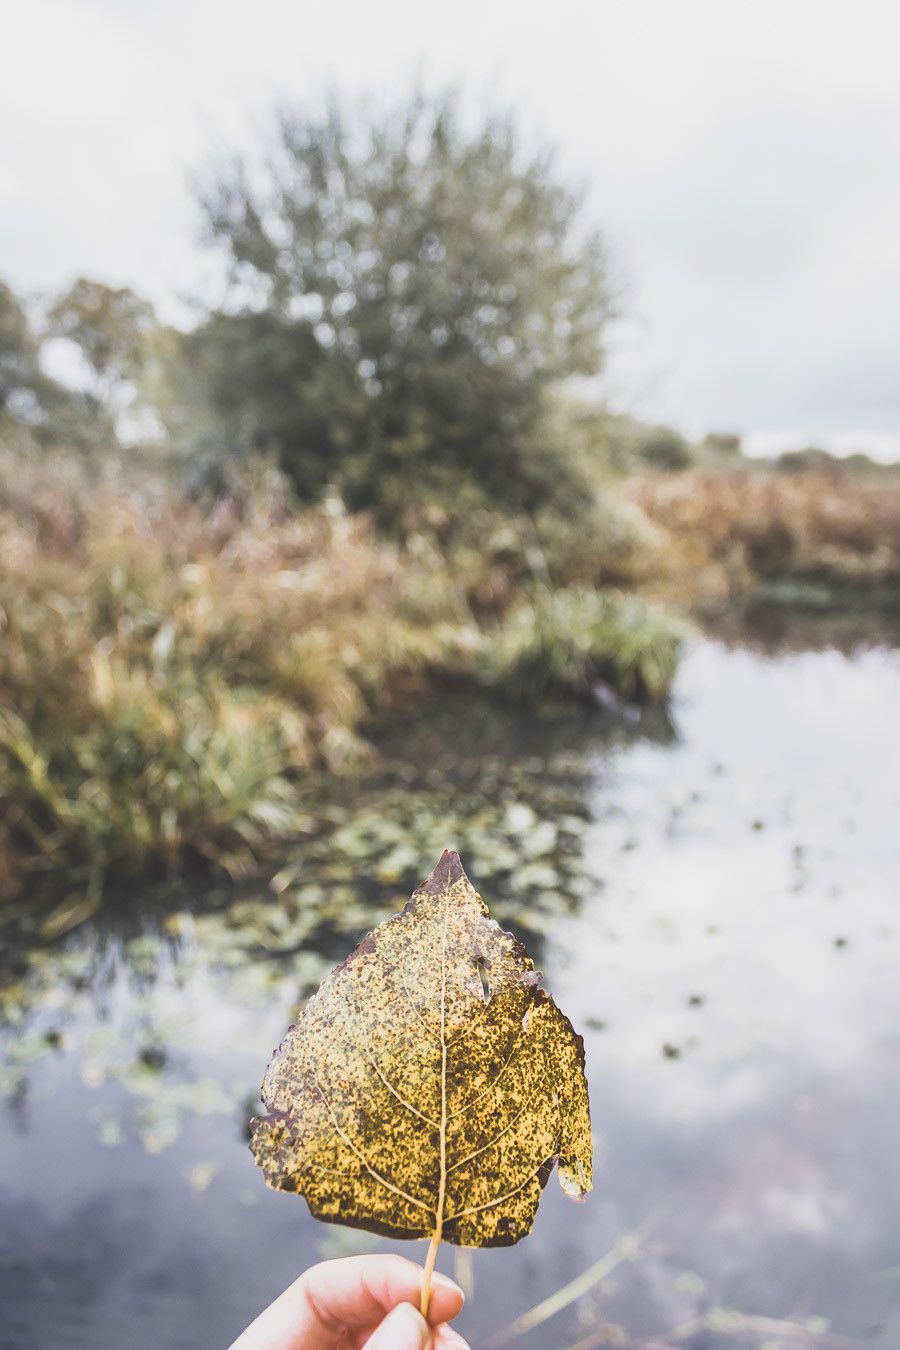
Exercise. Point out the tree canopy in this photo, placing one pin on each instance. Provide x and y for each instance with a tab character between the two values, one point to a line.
106	323
31	401
21	379
404	291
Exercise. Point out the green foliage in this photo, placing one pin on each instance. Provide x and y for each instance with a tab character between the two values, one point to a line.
607	444
814	460
404	294
569	640
34	407
809	460
109	326
722	445
171	668
20	374
664	448
151	773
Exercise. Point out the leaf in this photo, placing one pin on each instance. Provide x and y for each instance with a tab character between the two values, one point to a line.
430	1085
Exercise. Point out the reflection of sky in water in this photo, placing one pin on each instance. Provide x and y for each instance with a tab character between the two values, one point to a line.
734	967
754	867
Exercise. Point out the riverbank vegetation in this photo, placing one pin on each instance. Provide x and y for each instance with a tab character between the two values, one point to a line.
228	549
177	666
173	668
808	535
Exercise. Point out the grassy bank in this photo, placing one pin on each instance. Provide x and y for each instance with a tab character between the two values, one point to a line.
809	539
171	670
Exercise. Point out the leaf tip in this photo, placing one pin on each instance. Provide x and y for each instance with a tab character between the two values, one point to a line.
447	871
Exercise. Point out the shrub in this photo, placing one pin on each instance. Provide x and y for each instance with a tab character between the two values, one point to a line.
171	668
664	448
568	641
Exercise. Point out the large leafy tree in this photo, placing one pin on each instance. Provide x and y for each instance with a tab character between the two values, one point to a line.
22	383
124	348
110	326
404	291
31	402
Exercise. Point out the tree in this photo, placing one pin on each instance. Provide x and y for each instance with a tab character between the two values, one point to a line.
125	348
403	295
21	379
109	325
663	447
31	402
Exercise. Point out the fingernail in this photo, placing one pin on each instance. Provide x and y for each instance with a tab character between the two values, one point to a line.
402	1329
446	1283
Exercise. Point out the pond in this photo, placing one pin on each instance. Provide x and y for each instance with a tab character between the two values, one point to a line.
713	898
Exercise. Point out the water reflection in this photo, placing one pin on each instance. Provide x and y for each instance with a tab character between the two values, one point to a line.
716	911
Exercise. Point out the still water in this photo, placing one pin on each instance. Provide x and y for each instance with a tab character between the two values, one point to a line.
714	901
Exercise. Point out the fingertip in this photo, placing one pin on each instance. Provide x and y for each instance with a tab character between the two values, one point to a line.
447	1300
440	1281
402	1329
356	1287
446	1338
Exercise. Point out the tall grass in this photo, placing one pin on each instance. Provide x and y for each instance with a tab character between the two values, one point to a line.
573	640
170	670
827	533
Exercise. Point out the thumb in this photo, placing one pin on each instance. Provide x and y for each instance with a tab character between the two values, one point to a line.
402	1329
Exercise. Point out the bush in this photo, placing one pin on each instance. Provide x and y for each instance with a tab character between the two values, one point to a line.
569	641
35	409
664	448
171	668
722	445
809	460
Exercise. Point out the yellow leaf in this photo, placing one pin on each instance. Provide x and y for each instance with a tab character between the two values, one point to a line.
430	1085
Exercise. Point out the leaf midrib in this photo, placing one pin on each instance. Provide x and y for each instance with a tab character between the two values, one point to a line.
442	1184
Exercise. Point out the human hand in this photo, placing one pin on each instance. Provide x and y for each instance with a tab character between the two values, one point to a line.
370	1301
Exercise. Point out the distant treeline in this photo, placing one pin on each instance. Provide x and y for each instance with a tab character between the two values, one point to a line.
406	300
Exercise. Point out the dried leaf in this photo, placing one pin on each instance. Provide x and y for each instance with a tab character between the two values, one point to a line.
430	1085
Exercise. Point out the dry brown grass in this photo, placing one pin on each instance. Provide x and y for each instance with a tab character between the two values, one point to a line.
732	532
169	669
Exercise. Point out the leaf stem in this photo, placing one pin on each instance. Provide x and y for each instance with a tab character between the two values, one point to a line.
442	1188
429	1271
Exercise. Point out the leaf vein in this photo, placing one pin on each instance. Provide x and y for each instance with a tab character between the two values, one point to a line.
395	970
497	1137
508	1195
376	1066
473	1026
394	1093
373	1172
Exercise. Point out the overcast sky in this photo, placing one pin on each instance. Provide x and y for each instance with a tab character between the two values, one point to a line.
743	159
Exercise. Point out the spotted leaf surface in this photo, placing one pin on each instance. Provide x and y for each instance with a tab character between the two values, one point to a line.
431	1084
